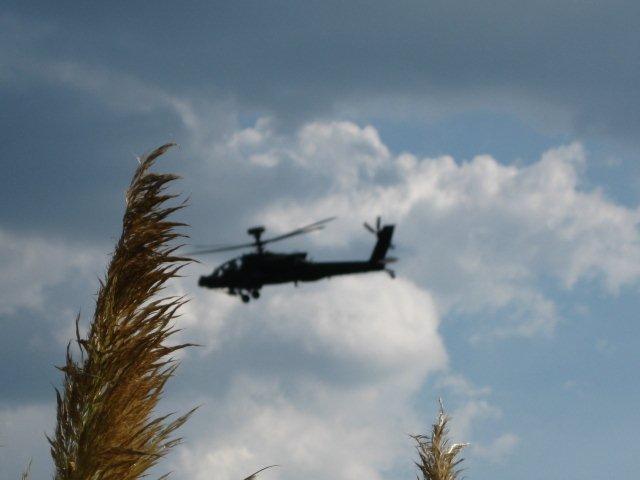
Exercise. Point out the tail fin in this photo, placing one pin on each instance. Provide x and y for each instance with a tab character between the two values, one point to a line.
383	244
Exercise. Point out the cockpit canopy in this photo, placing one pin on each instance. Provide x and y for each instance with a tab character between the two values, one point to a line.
228	266
252	261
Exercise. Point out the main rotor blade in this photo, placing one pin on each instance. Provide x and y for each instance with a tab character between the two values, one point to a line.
299	231
221	249
312	227
369	227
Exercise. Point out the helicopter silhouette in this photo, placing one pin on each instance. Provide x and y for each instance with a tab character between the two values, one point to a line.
246	274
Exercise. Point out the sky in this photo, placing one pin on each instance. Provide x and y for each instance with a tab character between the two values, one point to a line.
499	137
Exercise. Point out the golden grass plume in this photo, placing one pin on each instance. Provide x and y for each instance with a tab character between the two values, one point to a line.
106	428
438	457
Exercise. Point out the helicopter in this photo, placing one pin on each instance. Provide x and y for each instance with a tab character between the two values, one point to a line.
246	274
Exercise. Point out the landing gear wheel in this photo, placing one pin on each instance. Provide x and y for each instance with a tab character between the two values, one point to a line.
255	293
245	298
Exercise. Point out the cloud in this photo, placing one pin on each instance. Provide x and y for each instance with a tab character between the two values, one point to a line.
336	332
31	267
315	432
321	382
321	148
306	378
334	365
378	324
486	236
314	60
45	283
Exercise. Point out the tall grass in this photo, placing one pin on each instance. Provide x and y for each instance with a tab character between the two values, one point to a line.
438	457
106	428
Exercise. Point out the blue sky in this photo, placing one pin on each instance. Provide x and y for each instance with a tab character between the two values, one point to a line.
501	138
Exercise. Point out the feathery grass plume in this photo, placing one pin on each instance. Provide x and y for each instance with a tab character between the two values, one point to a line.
106	429
438	459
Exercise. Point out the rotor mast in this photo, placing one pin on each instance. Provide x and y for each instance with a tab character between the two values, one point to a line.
257	233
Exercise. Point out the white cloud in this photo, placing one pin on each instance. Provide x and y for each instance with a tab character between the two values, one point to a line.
310	429
351	353
482	236
338	150
31	266
341	150
371	322
343	359
339	403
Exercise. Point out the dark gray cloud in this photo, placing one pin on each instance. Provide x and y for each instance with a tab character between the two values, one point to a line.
294	57
88	87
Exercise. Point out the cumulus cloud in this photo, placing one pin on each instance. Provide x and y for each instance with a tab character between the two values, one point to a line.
313	432
30	267
368	323
305	377
312	378
372	322
481	235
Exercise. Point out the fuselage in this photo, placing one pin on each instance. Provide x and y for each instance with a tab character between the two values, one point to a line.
248	273
285	270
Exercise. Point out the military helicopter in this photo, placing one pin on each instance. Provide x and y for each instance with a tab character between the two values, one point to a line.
247	274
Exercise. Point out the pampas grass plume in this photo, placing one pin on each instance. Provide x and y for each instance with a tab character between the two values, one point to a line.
106	428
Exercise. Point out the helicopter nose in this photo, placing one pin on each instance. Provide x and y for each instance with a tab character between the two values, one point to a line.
209	282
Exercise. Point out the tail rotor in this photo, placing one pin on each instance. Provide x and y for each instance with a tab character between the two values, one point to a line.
377	230
383	235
